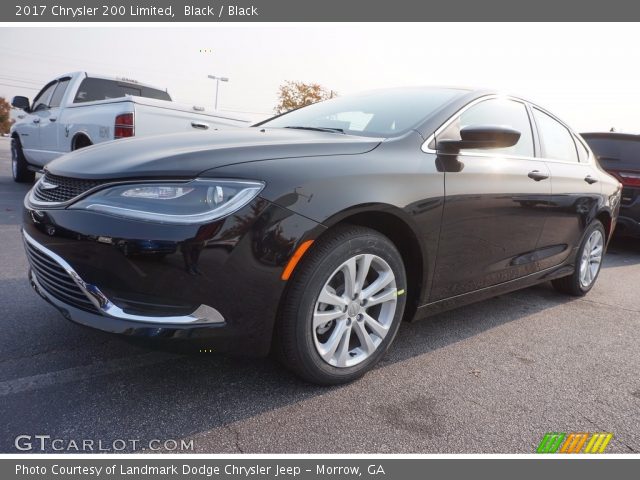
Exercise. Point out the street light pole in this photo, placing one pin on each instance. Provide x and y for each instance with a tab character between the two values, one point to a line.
218	80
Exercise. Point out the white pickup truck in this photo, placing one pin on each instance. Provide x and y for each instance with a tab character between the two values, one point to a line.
80	109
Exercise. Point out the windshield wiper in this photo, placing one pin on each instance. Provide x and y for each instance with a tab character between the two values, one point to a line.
319	129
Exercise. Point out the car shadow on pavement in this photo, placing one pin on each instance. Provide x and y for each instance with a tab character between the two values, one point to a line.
180	396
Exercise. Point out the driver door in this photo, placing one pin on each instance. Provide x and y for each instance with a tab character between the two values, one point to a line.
494	210
30	131
50	123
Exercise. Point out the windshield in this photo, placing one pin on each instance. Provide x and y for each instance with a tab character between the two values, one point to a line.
377	114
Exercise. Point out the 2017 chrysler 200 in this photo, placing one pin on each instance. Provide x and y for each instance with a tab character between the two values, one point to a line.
315	233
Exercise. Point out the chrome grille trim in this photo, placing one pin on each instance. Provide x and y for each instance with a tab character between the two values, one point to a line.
70	289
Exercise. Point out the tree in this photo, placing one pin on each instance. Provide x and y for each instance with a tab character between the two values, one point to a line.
292	95
5	116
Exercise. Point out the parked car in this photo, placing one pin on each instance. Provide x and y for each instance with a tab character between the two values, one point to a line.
619	154
339	220
80	109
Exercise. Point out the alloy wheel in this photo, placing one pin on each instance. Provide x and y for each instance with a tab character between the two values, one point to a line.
591	259
354	310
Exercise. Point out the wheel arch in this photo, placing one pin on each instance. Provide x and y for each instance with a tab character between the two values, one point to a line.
80	137
394	224
607	221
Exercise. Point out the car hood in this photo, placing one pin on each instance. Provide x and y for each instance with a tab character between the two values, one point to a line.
188	154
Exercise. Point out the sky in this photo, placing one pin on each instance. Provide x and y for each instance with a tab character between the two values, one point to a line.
587	74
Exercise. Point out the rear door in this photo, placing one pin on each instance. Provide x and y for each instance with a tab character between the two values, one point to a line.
575	188
494	207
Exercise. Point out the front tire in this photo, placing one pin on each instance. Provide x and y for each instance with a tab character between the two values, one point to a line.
588	263
343	306
19	166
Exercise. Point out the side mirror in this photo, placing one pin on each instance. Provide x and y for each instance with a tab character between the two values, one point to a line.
21	103
480	136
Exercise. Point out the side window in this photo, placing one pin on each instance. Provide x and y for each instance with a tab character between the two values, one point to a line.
557	141
58	93
42	100
508	113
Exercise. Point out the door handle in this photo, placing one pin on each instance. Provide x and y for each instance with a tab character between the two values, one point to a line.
537	176
200	126
590	180
52	119
36	120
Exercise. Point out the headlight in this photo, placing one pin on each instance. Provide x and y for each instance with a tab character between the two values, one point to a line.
197	201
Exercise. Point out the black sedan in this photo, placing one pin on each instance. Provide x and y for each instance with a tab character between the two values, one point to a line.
315	233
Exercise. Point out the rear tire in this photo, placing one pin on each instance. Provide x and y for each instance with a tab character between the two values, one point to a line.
19	166
588	263
358	272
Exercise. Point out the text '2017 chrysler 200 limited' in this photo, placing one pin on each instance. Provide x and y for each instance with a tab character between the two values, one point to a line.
315	233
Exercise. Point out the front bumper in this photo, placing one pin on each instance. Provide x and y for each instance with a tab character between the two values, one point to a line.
628	226
629	217
215	286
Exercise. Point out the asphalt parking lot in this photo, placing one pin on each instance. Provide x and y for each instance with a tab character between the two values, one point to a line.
489	378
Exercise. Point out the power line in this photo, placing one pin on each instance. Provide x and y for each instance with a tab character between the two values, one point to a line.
19	80
20	86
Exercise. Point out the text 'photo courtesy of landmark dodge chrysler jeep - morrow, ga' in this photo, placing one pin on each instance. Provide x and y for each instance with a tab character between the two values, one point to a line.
315	233
79	109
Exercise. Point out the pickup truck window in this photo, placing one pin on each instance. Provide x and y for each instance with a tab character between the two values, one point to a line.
56	98
92	89
42	100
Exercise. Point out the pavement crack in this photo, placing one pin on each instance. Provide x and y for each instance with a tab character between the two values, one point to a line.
233	431
236	434
615	438
629	447
608	305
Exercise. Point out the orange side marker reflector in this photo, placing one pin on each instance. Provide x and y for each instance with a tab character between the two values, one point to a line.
293	261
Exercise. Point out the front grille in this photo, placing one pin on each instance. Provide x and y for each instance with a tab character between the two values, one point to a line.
66	188
56	281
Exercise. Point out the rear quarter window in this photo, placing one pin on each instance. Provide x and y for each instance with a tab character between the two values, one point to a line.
93	89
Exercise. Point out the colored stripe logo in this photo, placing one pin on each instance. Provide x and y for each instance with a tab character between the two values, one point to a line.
555	442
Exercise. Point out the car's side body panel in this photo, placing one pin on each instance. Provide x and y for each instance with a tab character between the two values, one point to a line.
492	220
395	178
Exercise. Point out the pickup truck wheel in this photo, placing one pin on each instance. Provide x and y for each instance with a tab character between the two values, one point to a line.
19	166
343	307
